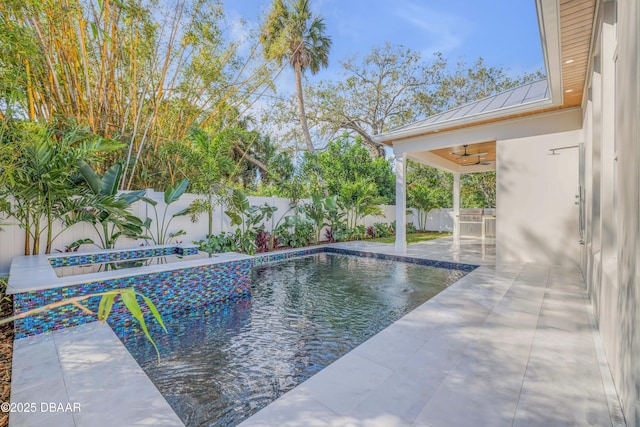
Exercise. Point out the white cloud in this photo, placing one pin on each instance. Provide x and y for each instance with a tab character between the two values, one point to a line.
445	31
241	31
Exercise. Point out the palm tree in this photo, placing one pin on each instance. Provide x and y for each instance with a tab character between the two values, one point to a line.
291	32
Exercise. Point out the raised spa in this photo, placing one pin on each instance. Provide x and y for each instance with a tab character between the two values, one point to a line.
194	280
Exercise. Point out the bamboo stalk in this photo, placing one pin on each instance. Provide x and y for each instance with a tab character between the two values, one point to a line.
83	50
30	91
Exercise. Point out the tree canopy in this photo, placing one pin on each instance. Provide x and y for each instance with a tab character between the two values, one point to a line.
168	83
140	71
346	160
389	87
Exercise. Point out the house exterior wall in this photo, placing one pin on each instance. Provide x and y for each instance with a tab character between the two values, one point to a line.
610	258
535	199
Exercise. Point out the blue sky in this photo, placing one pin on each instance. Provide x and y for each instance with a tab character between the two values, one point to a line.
503	32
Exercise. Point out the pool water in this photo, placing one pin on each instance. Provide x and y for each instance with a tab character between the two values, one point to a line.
221	364
95	267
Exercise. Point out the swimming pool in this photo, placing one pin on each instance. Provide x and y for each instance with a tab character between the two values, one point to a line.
224	362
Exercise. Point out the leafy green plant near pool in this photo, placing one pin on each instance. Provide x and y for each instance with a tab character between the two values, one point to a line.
359	199
223	242
108	211
305	226
40	177
162	234
424	199
379	229
248	220
129	298
296	231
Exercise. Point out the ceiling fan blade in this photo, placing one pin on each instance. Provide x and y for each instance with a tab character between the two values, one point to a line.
465	154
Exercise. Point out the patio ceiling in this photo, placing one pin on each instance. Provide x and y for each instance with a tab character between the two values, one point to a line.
451	160
455	153
576	28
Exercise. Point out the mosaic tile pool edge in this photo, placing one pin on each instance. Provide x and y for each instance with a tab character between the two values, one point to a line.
170	291
277	257
82	259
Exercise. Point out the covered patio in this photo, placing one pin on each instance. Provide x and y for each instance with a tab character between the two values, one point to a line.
511	133
457	159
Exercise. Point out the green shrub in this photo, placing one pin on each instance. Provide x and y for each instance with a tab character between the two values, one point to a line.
223	242
298	235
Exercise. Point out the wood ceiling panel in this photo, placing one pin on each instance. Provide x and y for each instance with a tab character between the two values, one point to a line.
455	154
576	26
577	42
571	8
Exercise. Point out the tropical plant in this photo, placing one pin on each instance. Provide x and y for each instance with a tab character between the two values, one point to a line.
262	241
336	219
129	298
358	199
107	211
291	32
162	234
223	242
140	71
205	159
421	197
247	218
379	229
296	231
44	186
318	211
440	182
355	233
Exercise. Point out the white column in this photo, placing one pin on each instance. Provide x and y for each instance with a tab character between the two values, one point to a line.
401	202
456	206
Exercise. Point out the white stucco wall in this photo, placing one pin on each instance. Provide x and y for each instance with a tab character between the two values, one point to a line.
537	215
611	255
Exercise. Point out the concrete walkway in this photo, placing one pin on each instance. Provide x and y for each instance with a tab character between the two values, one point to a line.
508	345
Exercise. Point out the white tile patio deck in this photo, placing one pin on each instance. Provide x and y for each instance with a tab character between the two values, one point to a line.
86	366
507	345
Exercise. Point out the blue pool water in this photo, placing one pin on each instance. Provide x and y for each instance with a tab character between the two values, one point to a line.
221	364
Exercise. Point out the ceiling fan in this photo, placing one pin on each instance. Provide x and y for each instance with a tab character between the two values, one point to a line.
465	154
479	162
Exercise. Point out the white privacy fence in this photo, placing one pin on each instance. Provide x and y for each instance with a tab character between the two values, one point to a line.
12	239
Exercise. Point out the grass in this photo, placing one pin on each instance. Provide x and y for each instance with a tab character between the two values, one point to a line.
421	236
